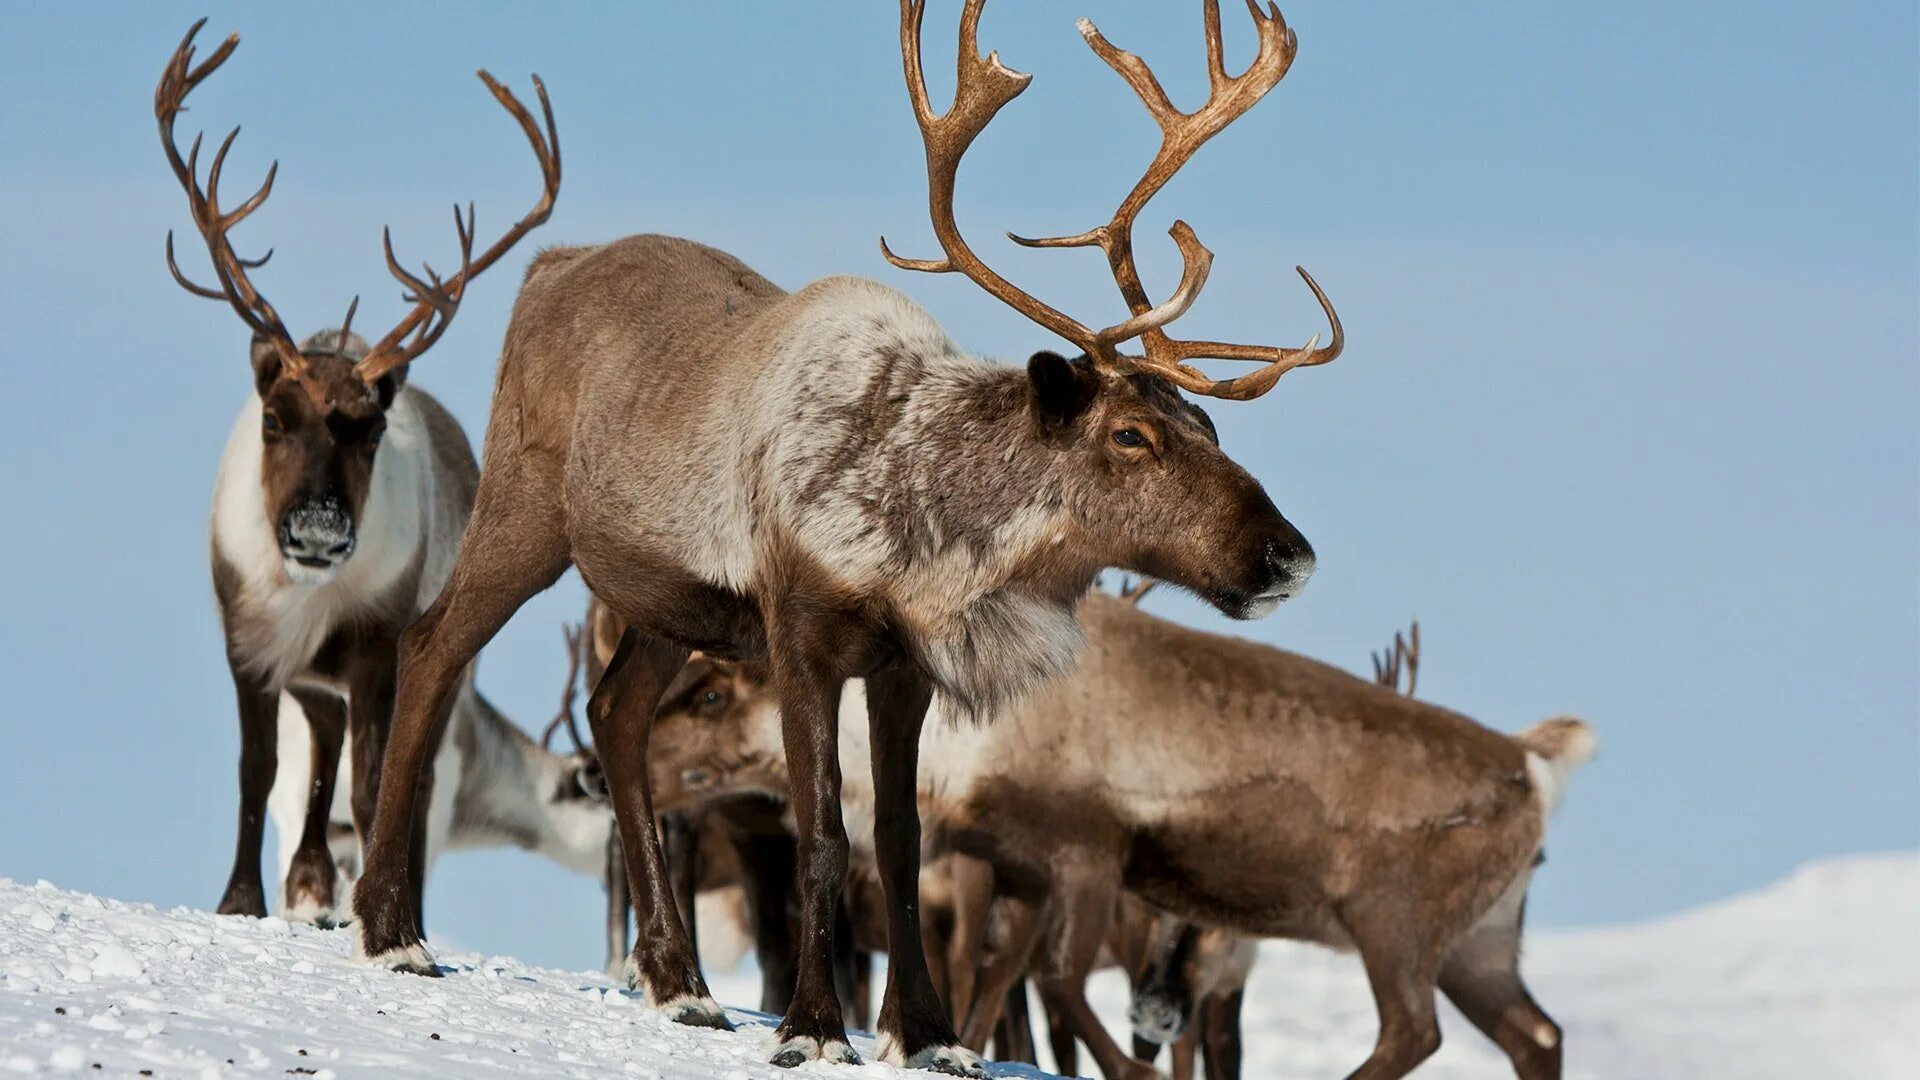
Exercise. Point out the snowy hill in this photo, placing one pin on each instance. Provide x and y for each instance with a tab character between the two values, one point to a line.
1818	975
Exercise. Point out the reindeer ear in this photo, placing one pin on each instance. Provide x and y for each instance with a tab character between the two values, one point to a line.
1062	389
266	363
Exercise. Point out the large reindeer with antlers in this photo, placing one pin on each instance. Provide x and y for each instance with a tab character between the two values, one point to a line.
340	500
824	481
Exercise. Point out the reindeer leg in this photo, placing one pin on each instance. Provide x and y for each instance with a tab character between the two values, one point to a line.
1013	1035
1006	973
619	900
663	964
972	907
914	1029
1220	1039
767	874
809	693
1482	977
680	841
259	760
308	890
1402	980
513	548
1082	902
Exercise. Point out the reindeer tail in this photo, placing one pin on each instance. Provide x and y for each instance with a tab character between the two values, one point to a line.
1554	749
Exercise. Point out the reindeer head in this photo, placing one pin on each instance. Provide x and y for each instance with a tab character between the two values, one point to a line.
1155	494
716	733
323	403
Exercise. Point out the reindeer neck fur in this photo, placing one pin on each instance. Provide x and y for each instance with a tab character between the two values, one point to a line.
915	472
404	547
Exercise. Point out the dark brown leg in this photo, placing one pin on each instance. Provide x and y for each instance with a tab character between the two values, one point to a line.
259	760
809	694
1402	982
914	1030
1066	1049
618	902
1181	1053
767	871
1482	977
308	890
679	841
1220	1039
860	1009
504	559
1013	1034
621	714
844	978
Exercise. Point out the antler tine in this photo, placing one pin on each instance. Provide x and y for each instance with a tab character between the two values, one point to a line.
573	634
1411	653
1182	134
983	86
179	78
435	302
1136	590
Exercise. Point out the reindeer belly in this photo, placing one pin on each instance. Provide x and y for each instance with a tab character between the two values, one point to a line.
1253	859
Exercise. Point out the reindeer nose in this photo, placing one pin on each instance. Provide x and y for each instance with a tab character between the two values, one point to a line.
1291	559
317	532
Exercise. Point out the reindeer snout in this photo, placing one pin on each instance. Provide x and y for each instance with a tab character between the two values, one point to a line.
1291	560
317	533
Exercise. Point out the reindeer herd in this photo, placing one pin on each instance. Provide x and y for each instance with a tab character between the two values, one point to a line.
846	658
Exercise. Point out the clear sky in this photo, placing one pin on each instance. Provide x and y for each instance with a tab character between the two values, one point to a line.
1627	417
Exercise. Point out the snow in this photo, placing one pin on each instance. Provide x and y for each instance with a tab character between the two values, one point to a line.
1817	975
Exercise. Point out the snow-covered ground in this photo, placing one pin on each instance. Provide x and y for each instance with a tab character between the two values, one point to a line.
1818	975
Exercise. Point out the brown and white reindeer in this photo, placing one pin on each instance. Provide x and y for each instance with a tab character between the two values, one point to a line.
1234	785
341	497
824	482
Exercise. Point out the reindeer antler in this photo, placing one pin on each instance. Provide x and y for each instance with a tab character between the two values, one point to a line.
1405	655
984	85
169	100
435	301
575	633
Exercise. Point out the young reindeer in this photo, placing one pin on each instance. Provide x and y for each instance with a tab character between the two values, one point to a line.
1231	784
341	497
824	482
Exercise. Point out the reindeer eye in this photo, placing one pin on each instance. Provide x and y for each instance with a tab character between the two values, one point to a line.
1129	437
712	697
270	423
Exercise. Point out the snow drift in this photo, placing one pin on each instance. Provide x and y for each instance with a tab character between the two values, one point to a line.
1818	975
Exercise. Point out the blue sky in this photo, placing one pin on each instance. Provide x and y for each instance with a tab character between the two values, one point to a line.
1627	416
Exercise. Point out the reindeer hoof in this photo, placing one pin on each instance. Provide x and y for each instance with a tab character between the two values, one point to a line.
795	1051
697	1012
412	959
948	1059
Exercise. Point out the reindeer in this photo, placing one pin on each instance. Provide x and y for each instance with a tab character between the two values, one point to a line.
341	497
1231	784
822	482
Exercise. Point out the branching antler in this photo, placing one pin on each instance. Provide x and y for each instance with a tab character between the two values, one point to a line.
1405	655
435	301
576	638
985	85
169	100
